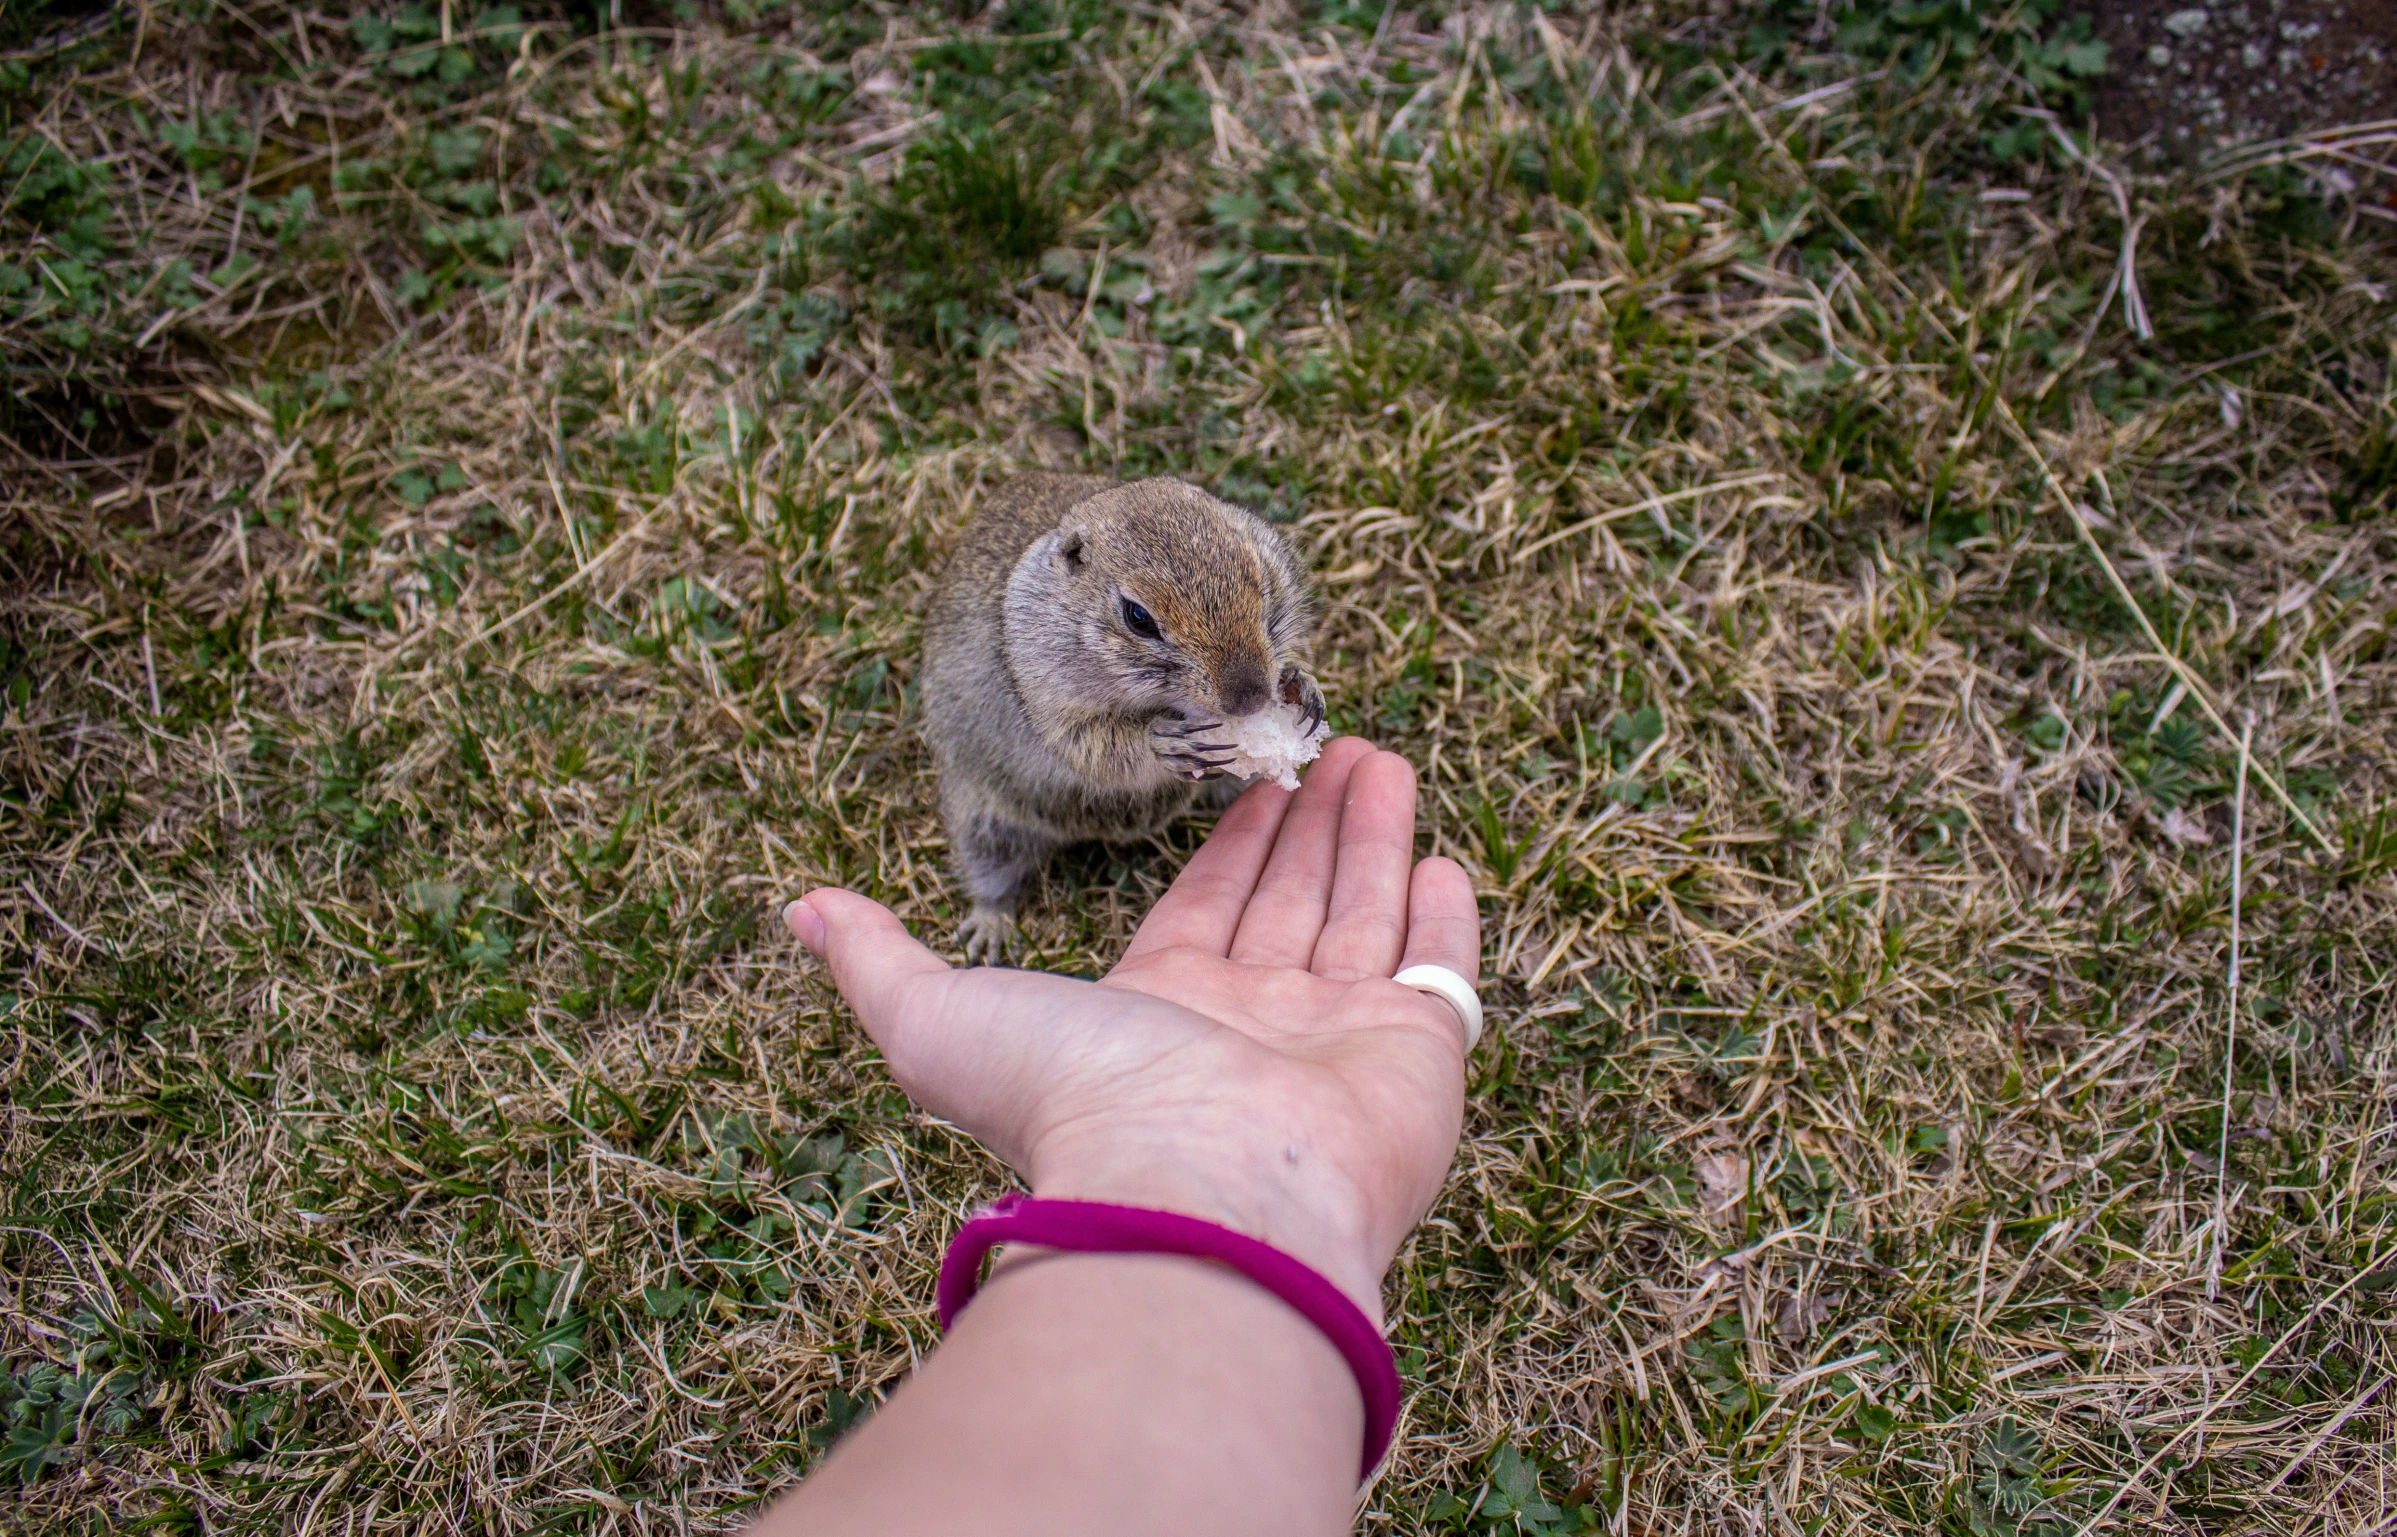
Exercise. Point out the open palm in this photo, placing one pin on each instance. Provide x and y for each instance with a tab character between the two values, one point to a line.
1248	1061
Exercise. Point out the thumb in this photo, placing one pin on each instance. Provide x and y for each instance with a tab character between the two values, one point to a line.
974	1056
874	960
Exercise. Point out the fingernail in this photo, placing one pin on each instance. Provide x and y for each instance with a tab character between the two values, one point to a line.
806	925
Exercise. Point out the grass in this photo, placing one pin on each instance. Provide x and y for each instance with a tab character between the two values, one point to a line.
472	480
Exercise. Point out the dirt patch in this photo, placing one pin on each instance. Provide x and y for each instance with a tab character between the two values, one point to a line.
2189	77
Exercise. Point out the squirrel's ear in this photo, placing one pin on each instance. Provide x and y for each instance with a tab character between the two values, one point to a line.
1072	543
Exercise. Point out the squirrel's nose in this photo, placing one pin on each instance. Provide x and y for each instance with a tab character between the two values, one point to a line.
1243	688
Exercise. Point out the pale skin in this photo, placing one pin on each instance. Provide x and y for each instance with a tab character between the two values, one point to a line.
1248	1061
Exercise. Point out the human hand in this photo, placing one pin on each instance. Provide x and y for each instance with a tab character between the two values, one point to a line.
1248	1061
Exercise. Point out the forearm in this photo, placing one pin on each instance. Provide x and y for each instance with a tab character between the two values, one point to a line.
1104	1394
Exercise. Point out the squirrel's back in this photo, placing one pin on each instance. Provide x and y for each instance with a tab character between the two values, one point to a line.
969	601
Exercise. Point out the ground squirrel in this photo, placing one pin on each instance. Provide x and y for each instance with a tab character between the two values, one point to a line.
1083	641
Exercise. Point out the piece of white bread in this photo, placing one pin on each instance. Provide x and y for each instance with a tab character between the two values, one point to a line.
1272	743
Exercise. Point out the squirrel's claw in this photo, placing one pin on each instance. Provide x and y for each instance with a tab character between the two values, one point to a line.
1195	766
987	936
1171	738
1301	690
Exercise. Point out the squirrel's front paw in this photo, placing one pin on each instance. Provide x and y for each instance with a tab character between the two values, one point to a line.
1181	746
987	936
1300	689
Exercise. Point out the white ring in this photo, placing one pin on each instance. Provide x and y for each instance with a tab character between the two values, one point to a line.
1451	989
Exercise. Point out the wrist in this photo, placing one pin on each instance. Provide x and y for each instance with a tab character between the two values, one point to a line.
1293	1207
1104	1393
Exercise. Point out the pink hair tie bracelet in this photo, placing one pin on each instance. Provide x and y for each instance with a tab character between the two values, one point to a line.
1092	1227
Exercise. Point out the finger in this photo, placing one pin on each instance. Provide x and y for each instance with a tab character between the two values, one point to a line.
1365	925
982	1048
1202	907
1443	924
1285	912
874	960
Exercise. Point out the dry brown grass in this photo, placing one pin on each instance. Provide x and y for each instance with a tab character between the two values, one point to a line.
409	1096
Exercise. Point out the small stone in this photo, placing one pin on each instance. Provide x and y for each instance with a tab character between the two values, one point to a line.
2186	24
1800	1317
2159	55
1722	1182
2252	56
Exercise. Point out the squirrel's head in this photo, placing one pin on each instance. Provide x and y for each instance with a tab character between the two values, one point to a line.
1155	598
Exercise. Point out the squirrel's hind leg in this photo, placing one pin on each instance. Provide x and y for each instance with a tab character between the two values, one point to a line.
988	936
994	856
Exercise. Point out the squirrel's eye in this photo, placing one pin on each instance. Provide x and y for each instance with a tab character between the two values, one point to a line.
1141	622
